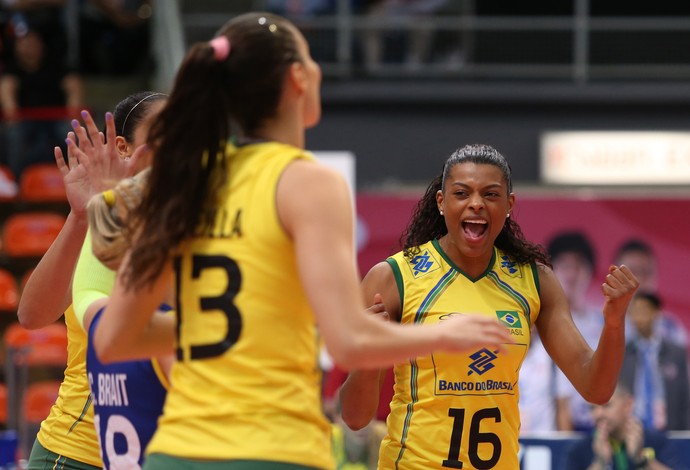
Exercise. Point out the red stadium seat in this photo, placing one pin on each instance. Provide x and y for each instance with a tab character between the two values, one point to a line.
3	404
36	404
45	346
9	295
38	399
31	233
30	351
42	182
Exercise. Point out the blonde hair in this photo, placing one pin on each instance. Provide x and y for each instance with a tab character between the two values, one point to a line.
108	214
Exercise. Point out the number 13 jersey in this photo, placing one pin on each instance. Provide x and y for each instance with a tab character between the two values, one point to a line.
247	381
459	410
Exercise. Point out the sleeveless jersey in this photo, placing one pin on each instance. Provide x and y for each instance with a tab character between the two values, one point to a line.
459	410
246	384
68	430
128	398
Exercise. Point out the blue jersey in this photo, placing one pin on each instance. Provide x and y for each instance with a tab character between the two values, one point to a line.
128	398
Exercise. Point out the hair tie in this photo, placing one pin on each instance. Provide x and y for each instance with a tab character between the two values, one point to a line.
109	197
221	48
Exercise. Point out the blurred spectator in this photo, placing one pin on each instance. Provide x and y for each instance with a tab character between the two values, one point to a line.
539	411
655	369
114	36
620	442
420	15
322	42
572	256
45	16
640	258
352	450
38	95
300	8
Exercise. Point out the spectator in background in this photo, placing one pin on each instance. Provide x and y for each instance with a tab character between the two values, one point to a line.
45	16
641	259
322	45
300	8
620	442
419	13
539	392
115	36
655	369
572	256
38	96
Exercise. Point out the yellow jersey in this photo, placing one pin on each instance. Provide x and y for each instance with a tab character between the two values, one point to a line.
69	430
246	384
459	410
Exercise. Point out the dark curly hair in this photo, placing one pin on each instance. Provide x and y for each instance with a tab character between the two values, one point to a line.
427	224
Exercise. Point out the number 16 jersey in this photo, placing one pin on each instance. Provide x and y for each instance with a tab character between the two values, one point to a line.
459	410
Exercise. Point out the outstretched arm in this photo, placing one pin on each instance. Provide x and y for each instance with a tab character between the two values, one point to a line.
91	164
47	292
593	373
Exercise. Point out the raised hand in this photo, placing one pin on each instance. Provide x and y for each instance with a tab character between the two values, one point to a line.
98	153
618	290
601	446
378	308
77	183
634	437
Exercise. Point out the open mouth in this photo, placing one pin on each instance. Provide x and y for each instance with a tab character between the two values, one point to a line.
475	229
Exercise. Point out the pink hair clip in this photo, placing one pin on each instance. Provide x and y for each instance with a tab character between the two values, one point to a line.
221	47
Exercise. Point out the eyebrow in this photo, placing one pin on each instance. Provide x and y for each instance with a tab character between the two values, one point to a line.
465	185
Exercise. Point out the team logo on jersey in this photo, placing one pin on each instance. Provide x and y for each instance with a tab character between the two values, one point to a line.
423	263
511	319
510	267
482	361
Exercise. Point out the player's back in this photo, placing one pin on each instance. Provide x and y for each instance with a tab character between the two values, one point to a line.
247	379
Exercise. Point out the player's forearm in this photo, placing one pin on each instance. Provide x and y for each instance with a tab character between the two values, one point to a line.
359	397
605	366
48	293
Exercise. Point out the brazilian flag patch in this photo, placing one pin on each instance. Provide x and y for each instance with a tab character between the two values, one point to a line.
509	318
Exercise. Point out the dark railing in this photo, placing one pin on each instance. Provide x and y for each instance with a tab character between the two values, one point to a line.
576	46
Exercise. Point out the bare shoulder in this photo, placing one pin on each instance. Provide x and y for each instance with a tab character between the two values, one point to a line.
306	182
381	280
546	275
380	272
308	175
553	299
310	194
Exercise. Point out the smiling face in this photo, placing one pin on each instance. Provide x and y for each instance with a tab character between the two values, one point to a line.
475	202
